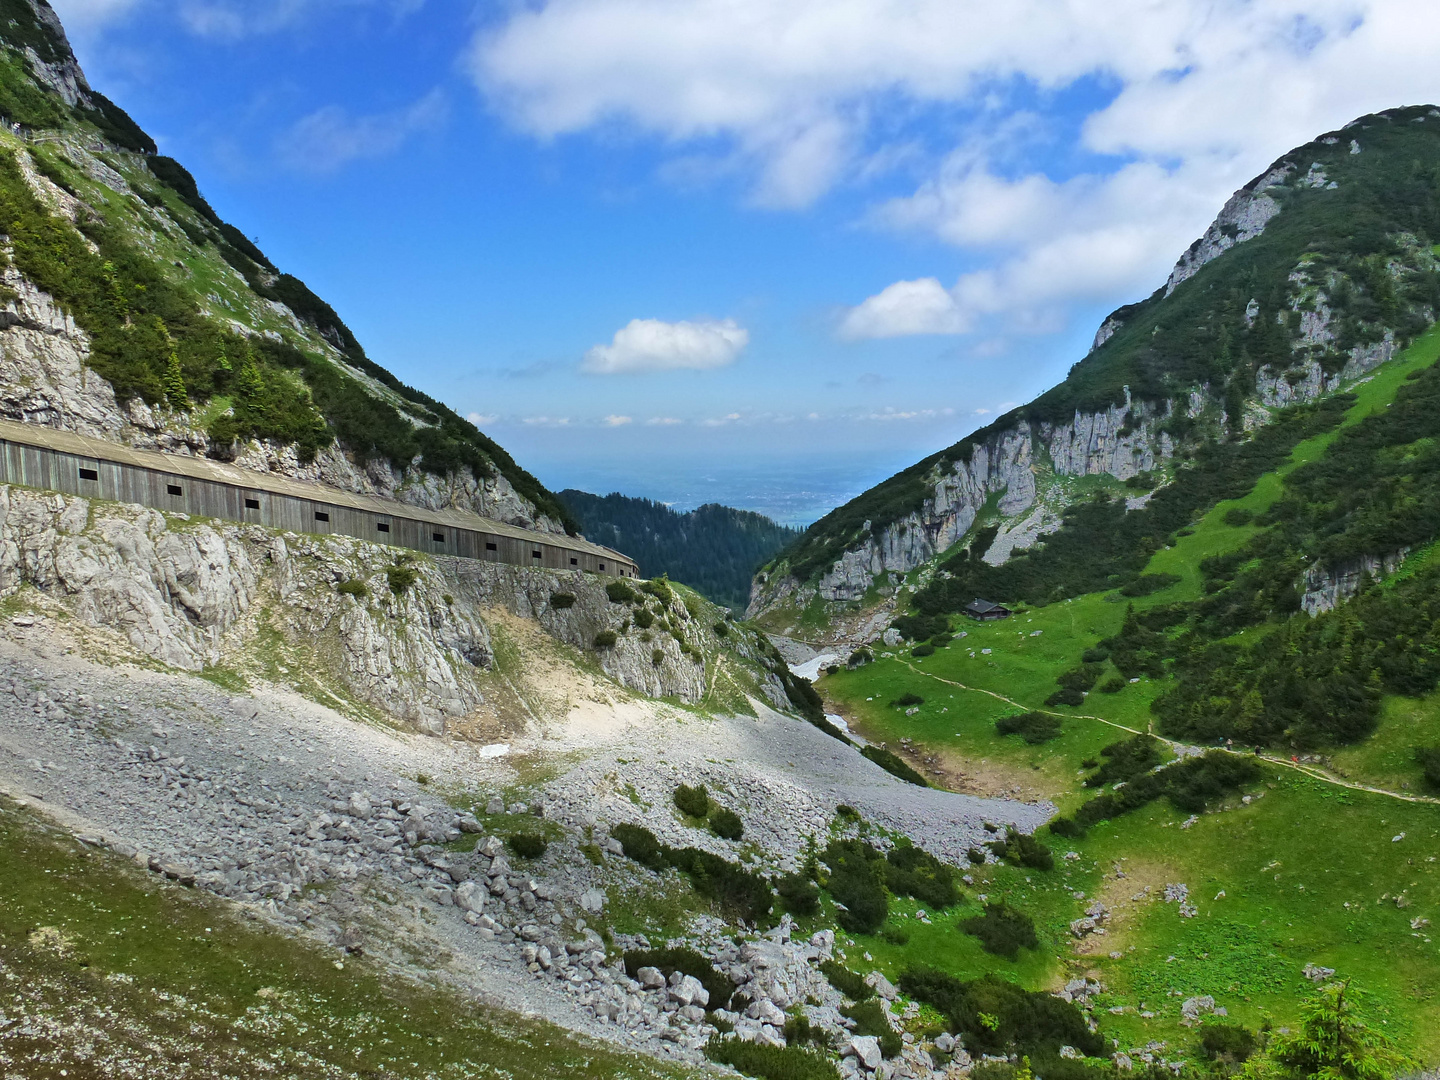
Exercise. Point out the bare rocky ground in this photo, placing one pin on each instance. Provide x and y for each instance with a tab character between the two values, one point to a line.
351	834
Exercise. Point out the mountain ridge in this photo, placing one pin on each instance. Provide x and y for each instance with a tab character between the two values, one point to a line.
1276	303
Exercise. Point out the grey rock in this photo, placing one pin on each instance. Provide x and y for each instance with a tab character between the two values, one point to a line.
866	1048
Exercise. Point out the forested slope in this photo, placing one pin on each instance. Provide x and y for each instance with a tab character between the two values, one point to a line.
713	549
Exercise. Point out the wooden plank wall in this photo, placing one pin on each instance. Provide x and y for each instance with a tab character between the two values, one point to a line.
38	467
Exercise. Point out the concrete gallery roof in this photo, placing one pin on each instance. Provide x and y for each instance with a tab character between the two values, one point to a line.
219	472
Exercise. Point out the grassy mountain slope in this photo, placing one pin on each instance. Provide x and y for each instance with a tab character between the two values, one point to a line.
714	549
183	311
1324	856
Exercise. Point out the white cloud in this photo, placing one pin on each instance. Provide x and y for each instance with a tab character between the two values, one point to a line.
652	345
331	138
722	421
663	421
617	421
804	95
481	419
907	307
546	421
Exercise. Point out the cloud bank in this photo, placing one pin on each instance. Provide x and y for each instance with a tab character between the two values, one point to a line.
645	345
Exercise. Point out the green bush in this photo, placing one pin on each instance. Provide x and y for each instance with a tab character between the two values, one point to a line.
770	1062
741	894
856	871
640	844
894	765
687	962
562	600
620	593
1146	584
722	629
913	871
1022	849
1230	1044
860	657
1238	515
1066	827
1113	685
1428	758
643	618
1066	696
801	895
692	801
870	1019
920	627
660	589
1002	930
994	1016
1034	727
1126	760
353	587
1191	785
976	856
895	935
527	845
846	981
907	700
657	656
401	577
798	1031
606	639
726	824
922	651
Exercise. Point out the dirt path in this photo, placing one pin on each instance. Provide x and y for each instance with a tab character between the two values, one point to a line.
1311	771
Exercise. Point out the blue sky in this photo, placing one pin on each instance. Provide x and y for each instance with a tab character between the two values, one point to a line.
702	249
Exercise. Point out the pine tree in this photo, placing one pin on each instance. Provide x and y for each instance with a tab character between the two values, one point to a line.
1333	1042
174	378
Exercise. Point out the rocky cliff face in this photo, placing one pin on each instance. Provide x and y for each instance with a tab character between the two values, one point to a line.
1328	587
1121	442
413	646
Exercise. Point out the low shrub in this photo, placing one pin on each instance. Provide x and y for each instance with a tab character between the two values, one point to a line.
660	589
1229	1044
657	656
801	895
920	627
1428	758
941	640
799	1031
1237	516
685	961
1002	931
1191	785
620	593
640	844
1146	584
722	629
895	935
870	1019
846	981
527	845
1034	727
1066	827
693	801
353	587
913	871
1125	760
1113	685
401	577
860	657
562	600
856	883
847	812
741	894
726	824
643	618
975	855
995	1016
907	700
1081	678
606	639
1066	696
922	651
830	729
1022	849
770	1062
894	766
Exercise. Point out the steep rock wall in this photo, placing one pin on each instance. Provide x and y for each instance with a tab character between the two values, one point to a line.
1121	441
193	593
1328	587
